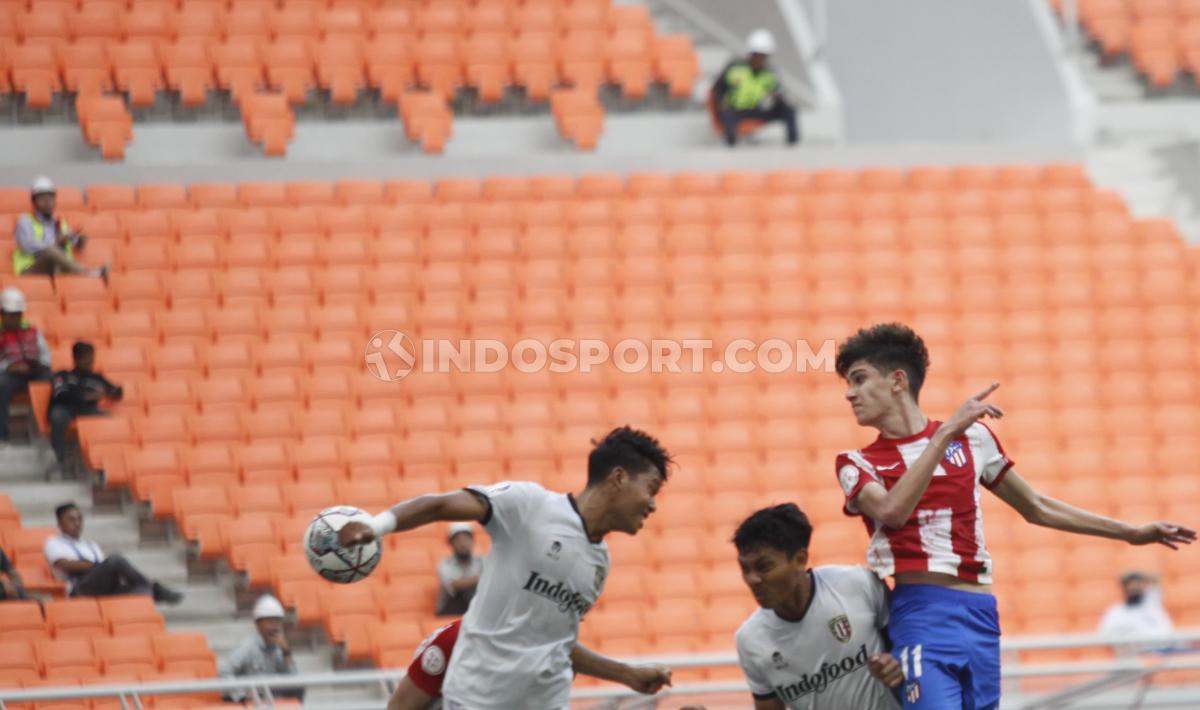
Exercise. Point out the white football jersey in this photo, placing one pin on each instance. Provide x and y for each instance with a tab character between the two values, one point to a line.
541	576
821	660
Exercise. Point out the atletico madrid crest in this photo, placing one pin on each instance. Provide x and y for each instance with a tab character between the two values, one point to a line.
912	691
839	626
956	454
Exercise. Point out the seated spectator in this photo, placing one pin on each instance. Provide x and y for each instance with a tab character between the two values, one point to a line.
1140	614
265	653
24	354
77	393
85	569
45	244
458	573
748	90
11	586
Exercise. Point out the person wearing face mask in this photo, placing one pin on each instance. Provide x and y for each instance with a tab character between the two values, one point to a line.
266	652
1142	612
458	573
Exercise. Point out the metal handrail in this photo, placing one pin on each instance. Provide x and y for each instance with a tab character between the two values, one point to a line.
261	685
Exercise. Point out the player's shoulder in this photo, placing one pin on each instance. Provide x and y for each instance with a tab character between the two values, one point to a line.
979	430
751	629
845	578
512	489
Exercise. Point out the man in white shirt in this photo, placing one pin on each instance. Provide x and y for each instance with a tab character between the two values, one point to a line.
546	569
819	640
87	571
458	574
1141	613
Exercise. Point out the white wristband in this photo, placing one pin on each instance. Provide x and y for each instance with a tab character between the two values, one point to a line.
383	523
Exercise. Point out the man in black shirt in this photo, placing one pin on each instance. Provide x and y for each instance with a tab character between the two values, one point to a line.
76	393
11	586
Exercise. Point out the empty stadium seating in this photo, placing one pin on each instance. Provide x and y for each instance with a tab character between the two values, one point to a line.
1161	37
238	317
294	48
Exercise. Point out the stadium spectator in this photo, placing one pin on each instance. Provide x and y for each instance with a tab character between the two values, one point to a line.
1140	614
45	243
748	90
11	586
458	573
265	653
76	393
24	354
87	571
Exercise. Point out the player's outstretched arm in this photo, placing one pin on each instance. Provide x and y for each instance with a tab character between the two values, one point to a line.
1052	513
894	507
415	512
647	679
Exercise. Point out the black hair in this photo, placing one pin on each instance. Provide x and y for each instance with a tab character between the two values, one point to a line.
628	448
62	509
781	527
82	348
887	347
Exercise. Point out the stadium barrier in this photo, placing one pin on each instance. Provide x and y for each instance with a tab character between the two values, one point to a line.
1180	652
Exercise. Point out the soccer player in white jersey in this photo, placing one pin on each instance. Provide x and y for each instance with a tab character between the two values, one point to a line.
917	488
546	569
819	640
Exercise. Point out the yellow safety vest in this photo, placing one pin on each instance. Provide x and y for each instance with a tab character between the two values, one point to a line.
21	260
747	90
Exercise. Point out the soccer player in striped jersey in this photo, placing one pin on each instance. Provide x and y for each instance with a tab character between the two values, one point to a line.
917	488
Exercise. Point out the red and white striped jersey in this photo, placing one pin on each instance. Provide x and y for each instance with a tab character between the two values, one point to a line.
945	532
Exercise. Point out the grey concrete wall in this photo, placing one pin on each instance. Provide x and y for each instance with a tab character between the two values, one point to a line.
741	17
945	70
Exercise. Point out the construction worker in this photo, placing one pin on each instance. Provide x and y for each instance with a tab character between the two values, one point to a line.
24	354
748	90
45	243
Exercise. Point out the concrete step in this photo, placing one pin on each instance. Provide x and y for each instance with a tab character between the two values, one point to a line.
17	461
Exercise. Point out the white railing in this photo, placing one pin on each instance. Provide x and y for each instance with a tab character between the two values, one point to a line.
259	688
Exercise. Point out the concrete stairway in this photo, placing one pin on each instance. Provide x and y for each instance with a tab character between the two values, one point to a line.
209	604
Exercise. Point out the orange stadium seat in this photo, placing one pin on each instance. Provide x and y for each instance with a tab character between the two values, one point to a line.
240	301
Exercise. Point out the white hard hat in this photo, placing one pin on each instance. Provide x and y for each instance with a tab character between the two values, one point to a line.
268	607
760	42
456	528
12	300
43	185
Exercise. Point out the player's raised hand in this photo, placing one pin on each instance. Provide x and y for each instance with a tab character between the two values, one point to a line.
1168	534
886	669
972	411
648	680
355	533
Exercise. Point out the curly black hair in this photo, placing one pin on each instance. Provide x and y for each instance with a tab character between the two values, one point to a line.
781	527
887	347
628	448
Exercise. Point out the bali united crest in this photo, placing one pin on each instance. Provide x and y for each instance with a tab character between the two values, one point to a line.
839	626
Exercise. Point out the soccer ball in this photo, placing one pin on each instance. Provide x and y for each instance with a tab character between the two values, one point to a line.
329	559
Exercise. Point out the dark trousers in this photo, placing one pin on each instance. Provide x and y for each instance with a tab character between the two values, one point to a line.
112	576
61	416
781	111
11	385
20	593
